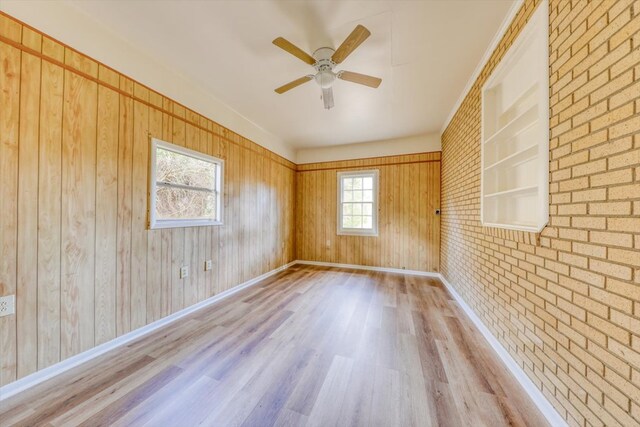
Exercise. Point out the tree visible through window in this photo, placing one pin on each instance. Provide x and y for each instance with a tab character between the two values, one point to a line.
357	202
185	187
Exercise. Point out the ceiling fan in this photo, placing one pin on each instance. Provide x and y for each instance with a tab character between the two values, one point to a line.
324	60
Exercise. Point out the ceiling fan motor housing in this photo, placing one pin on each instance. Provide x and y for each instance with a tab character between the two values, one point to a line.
325	76
324	53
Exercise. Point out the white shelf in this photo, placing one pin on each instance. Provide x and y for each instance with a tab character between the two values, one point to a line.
514	226
515	133
515	126
527	98
519	191
516	158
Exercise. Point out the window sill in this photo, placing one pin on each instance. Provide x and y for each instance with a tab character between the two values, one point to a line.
357	233
183	224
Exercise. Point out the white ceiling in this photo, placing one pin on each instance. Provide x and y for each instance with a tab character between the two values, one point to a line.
425	51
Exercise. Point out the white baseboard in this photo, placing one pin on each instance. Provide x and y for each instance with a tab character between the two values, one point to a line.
49	372
370	268
528	386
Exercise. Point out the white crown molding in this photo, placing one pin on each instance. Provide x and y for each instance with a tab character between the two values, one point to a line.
423	143
511	13
38	377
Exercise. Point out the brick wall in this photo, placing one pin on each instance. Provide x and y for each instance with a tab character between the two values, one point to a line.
566	302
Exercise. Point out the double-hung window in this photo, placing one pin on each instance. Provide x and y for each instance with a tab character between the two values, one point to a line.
185	187
358	203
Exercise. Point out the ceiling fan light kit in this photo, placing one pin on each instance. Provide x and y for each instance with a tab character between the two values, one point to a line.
324	60
327	98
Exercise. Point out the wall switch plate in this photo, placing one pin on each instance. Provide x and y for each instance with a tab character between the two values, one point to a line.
7	305
184	271
208	265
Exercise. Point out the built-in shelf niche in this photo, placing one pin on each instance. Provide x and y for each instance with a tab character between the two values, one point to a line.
515	133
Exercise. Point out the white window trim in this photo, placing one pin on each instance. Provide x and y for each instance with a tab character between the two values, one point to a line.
155	223
358	231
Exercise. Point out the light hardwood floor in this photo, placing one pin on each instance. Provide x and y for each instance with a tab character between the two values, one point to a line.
309	346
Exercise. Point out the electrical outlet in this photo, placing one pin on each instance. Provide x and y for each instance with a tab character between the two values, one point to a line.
7	305
184	271
208	265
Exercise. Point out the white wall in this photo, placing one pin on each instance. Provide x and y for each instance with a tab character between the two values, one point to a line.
388	147
70	26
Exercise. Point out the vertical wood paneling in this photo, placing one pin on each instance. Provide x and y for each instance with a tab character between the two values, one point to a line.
155	283
27	277
123	264
237	168
252	237
139	211
320	208
422	212
226	261
433	196
395	220
263	194
276	249
49	215
243	188
106	214
78	214
74	153
9	125
299	210
408	229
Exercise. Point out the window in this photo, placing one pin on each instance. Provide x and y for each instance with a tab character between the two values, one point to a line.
358	203
185	187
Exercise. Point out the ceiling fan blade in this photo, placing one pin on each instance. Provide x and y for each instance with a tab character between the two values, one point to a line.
355	39
294	50
291	85
361	79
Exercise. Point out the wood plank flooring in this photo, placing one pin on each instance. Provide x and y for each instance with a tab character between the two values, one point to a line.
309	346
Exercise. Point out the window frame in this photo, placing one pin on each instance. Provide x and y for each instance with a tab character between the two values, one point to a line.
373	232
153	222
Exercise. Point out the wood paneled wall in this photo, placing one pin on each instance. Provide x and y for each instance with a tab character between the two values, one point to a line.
408	228
74	141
